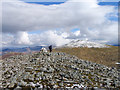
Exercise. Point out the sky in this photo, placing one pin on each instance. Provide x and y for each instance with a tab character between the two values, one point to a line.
46	22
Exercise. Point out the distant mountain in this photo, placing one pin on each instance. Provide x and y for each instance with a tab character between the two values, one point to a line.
24	49
73	43
85	43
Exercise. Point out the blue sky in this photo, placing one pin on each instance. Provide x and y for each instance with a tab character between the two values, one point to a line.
109	3
51	2
45	2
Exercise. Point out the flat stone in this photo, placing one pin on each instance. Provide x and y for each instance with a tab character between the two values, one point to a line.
29	69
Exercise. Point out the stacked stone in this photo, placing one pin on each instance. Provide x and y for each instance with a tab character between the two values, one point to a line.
56	70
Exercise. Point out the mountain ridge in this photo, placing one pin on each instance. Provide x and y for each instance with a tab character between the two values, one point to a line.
85	43
72	43
23	49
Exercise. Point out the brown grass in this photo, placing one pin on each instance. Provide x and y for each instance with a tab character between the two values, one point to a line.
10	54
105	56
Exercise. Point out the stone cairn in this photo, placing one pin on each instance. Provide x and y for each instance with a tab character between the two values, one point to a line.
55	70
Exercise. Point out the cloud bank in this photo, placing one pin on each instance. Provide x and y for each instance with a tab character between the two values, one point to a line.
55	22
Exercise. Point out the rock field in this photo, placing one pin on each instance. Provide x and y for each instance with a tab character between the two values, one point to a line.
55	70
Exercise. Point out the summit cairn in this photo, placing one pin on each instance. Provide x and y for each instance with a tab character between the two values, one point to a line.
43	50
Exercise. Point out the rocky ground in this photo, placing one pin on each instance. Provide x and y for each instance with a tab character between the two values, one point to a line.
55	70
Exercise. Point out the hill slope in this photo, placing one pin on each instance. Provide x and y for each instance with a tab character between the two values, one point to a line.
105	56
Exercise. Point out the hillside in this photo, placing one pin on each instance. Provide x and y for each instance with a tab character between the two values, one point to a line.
105	56
55	70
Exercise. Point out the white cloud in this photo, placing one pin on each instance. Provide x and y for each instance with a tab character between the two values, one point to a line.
27	17
20	18
49	38
44	38
77	33
64	35
22	38
7	39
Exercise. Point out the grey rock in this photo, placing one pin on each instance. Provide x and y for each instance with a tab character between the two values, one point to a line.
45	69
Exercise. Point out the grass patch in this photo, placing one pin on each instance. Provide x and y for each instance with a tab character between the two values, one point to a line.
105	56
